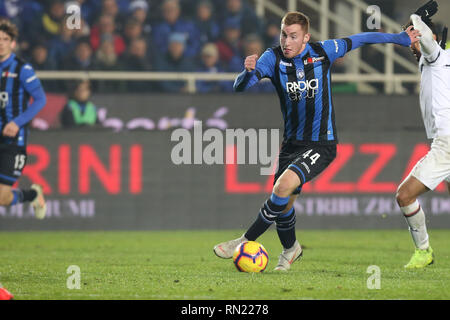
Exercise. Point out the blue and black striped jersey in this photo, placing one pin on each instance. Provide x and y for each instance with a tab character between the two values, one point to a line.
17	83
303	84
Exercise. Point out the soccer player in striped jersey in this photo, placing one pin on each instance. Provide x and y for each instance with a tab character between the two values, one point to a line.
300	72
17	83
434	167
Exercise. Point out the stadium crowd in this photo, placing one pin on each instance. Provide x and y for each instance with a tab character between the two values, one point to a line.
140	35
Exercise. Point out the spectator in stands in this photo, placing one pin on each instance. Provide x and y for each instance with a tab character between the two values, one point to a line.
81	59
12	10
89	10
208	27
25	15
209	62
111	8
272	34
173	23
248	21
105	56
62	45
133	30
83	32
136	59
138	10
174	61
106	27
50	23
230	46
79	110
40	59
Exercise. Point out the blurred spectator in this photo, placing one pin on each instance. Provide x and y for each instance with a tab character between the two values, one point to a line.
89	9
135	59
106	27
209	62
138	10
81	58
25	15
111	8
272	34
61	45
230	46
79	110
248	21
11	9
172	23
84	31
133	30
39	58
105	56
208	28
50	23
174	61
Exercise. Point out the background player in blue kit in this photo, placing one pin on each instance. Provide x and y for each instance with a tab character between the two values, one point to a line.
17	83
300	72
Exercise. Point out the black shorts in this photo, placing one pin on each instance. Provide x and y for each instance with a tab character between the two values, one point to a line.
306	161
12	162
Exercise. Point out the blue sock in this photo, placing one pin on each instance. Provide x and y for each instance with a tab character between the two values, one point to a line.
16	196
20	196
271	209
286	228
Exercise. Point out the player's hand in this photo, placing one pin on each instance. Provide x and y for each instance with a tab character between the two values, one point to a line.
428	10
250	62
11	129
414	35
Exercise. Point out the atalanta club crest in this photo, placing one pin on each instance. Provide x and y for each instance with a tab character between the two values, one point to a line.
300	73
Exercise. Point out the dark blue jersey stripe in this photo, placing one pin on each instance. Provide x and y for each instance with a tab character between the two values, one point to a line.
293	117
9	88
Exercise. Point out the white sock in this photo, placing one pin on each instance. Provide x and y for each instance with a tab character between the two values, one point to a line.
415	217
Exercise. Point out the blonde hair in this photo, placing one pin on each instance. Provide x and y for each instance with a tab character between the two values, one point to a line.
296	17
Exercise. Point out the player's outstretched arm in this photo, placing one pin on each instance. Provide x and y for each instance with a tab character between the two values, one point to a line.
248	77
33	86
255	70
404	38
39	101
427	44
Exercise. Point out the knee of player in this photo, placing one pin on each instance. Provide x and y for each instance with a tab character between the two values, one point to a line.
284	188
403	197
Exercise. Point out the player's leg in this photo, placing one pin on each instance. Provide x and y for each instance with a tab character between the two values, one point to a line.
309	163
426	175
407	194
273	207
12	162
406	197
263	220
279	203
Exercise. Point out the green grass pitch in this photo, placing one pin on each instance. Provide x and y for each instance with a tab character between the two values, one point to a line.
181	265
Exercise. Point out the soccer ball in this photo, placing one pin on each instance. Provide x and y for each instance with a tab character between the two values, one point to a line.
250	256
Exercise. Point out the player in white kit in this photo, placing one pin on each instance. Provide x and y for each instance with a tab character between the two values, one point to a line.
431	170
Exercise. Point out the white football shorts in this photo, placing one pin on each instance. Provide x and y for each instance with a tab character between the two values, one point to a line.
434	167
